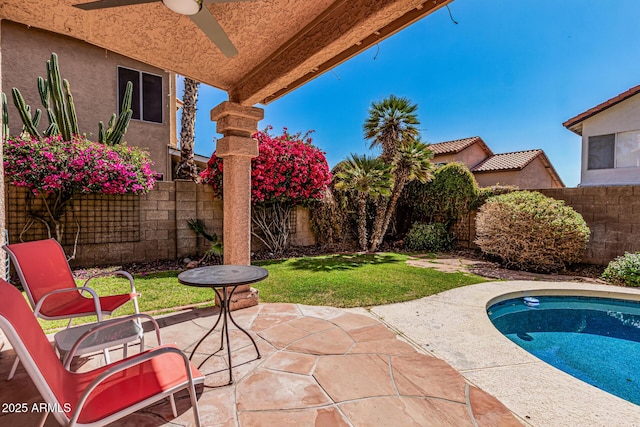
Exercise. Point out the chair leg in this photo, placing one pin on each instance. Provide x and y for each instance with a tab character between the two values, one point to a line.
194	405
107	359
174	410
13	368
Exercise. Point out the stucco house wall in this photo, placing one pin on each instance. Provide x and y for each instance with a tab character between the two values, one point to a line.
532	176
622	117
92	74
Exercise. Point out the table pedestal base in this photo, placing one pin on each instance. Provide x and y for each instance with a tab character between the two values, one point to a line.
224	315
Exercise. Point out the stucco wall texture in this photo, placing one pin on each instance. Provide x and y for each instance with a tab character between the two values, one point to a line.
532	176
92	74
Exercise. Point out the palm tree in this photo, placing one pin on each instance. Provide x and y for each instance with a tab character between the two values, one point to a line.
186	167
391	122
367	177
410	162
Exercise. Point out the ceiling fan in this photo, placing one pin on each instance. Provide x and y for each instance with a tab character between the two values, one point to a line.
192	8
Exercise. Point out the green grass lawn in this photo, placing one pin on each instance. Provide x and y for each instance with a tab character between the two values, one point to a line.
334	280
354	280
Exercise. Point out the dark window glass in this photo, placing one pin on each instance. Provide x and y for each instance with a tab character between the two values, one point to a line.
146	99
601	152
151	98
126	75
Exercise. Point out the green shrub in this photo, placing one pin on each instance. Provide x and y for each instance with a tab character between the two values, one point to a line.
624	270
530	231
428	237
444	199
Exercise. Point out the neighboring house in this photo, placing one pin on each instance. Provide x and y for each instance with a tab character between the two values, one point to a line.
610	140
529	169
97	78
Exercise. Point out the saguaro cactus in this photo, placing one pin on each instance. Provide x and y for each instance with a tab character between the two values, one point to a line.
56	98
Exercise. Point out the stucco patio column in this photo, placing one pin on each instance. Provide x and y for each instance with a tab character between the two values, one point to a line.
237	123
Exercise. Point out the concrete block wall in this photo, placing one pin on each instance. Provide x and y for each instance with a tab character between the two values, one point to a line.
160	217
612	214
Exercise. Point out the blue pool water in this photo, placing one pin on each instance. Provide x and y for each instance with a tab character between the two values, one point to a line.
597	340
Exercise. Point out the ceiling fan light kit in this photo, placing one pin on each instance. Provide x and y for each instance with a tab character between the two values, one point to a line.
184	7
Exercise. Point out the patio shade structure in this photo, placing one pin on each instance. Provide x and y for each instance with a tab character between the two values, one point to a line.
281	45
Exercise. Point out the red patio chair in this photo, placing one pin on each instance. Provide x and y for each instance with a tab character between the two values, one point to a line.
98	397
52	291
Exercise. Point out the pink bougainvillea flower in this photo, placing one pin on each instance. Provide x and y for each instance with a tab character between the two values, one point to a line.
288	169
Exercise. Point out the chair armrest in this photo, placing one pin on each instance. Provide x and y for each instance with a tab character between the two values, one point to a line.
126	364
94	295
114	273
105	325
119	273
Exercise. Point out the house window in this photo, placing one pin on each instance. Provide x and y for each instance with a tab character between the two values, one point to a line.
628	149
146	99
601	151
621	150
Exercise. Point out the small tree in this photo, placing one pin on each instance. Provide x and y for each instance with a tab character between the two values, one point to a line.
289	171
368	178
56	171
392	124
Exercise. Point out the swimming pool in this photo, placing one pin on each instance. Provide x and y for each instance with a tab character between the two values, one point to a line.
596	340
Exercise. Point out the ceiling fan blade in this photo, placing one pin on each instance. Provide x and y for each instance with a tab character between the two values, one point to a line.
104	4
208	24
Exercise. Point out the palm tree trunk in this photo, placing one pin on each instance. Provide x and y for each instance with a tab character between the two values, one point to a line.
401	181
376	235
362	220
186	168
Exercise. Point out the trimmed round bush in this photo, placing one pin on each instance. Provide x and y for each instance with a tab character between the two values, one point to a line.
428	237
530	231
624	270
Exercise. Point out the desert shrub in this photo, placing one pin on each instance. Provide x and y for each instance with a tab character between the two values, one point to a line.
485	193
624	270
428	237
530	231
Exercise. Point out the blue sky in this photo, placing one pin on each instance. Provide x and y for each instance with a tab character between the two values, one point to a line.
510	71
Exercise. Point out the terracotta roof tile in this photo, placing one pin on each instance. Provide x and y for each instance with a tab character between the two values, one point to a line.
507	161
456	146
574	123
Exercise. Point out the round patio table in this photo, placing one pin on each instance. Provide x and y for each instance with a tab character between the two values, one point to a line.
223	277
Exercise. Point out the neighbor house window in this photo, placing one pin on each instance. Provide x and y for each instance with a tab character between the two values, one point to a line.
620	150
628	149
601	151
146	100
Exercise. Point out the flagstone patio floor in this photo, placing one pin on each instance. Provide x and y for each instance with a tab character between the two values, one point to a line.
320	366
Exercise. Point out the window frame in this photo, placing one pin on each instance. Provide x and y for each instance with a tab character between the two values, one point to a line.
615	150
141	94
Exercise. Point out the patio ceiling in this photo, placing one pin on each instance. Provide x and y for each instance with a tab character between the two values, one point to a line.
282	44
